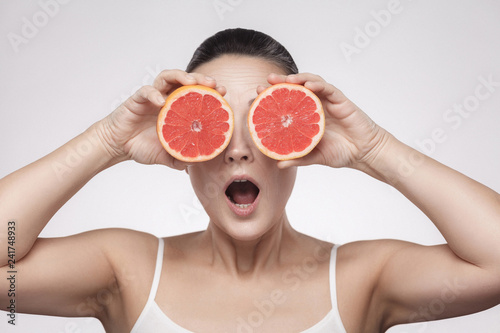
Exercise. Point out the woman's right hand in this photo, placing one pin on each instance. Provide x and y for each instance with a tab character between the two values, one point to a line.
129	132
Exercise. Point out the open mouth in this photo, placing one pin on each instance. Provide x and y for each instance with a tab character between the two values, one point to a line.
242	193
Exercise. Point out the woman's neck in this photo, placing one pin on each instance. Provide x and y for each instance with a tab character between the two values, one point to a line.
246	258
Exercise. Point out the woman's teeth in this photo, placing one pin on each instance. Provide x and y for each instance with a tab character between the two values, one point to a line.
242	193
240	205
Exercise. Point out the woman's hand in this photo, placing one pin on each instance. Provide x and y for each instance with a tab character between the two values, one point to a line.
351	138
129	132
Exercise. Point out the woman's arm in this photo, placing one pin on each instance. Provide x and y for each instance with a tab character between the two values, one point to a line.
29	197
466	212
428	283
414	283
59	274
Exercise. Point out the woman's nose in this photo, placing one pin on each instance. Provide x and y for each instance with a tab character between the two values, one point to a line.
240	146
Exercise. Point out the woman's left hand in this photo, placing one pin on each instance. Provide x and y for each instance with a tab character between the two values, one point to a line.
351	138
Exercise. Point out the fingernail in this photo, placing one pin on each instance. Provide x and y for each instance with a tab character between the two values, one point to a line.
189	77
209	78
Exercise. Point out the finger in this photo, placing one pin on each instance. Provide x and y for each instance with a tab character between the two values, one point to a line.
208	81
179	165
326	90
302	78
318	85
146	94
287	164
274	78
311	81
260	89
221	90
173	78
164	158
309	159
204	80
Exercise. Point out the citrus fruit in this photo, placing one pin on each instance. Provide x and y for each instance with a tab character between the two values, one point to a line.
195	124
286	121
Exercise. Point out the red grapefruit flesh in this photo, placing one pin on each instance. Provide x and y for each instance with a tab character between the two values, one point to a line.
286	121
195	124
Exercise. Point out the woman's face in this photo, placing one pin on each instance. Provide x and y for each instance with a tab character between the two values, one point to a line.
243	191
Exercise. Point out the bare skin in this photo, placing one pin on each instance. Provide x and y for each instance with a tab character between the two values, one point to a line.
212	278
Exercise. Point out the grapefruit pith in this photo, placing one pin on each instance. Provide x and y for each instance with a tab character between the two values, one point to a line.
286	121
195	124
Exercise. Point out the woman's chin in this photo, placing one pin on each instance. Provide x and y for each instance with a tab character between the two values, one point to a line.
244	231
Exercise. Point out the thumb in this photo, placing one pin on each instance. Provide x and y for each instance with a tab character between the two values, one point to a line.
164	158
180	165
308	159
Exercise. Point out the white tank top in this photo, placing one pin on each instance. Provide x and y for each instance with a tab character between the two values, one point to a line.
153	320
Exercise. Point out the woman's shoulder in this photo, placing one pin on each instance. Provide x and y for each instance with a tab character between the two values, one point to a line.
372	250
361	262
125	238
132	246
126	246
356	253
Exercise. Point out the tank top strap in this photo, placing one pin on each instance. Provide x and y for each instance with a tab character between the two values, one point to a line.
157	274
333	283
154	287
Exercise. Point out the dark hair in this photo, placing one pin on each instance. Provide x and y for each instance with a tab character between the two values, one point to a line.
243	42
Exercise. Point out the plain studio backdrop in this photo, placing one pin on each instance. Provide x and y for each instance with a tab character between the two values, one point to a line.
427	71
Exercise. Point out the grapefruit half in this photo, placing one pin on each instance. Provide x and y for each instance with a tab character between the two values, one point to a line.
286	121
195	124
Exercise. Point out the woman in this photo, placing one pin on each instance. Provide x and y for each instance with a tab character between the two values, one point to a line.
250	271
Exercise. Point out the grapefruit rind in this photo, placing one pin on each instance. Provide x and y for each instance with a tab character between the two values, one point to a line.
170	145
315	139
